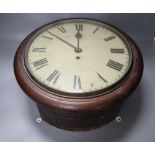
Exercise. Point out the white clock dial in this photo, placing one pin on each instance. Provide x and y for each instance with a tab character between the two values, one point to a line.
78	56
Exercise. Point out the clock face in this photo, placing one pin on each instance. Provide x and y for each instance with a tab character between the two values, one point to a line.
78	57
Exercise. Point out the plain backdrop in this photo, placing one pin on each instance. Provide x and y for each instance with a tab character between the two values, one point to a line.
18	112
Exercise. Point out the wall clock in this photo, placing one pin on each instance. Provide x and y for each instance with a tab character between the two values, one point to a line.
78	71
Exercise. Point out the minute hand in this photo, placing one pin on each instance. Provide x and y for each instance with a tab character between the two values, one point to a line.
62	40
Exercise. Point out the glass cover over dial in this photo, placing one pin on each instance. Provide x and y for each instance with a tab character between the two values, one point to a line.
78	57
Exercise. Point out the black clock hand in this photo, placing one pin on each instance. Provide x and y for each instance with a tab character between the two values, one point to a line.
62	40
78	35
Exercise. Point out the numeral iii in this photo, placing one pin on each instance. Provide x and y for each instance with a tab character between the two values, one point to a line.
115	65
113	50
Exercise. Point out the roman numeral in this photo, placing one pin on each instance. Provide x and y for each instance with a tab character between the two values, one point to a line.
113	50
77	82
115	65
62	29
79	27
103	79
40	63
96	30
39	50
109	38
47	37
54	76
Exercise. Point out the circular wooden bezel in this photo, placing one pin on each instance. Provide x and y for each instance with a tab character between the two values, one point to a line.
79	105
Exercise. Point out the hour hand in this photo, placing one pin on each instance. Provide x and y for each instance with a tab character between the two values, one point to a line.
78	35
62	40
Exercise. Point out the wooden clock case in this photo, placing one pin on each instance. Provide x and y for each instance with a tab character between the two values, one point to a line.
79	113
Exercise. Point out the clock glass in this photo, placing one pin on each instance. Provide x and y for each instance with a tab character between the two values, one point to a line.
78	57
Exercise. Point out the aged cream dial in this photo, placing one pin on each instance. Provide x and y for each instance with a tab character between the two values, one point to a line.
78	56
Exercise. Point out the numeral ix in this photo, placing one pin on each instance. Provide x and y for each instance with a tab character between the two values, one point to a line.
40	63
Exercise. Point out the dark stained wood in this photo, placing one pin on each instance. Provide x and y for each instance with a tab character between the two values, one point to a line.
75	113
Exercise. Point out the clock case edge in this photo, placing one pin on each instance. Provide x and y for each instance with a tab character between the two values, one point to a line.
79	114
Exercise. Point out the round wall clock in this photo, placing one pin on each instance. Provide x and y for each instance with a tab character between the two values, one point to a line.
78	71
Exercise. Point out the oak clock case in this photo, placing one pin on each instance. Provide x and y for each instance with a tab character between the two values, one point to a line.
78	71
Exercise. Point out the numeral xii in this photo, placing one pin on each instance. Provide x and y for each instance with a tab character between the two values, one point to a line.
79	27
